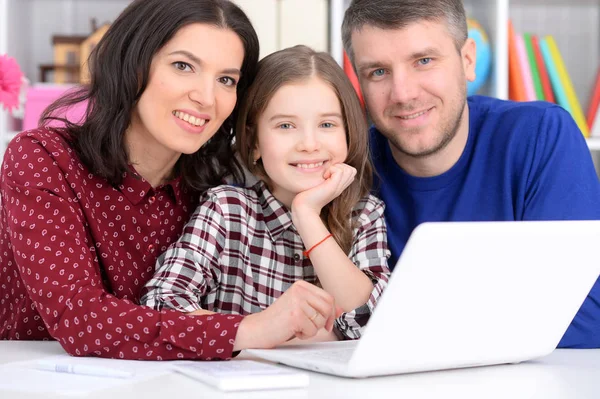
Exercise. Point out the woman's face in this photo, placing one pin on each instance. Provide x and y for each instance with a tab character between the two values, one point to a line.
191	91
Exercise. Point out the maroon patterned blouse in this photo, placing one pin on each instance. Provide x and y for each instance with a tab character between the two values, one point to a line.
75	253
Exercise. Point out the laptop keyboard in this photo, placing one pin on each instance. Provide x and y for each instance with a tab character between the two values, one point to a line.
341	355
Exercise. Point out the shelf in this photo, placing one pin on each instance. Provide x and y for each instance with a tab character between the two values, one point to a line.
593	143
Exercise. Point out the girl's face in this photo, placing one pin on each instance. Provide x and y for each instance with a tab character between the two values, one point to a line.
300	135
191	91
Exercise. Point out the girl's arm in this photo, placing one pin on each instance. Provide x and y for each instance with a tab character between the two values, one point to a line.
184	273
337	274
369	253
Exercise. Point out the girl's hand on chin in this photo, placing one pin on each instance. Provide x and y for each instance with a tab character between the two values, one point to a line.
337	178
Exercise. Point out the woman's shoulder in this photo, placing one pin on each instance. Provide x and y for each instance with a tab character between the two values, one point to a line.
52	140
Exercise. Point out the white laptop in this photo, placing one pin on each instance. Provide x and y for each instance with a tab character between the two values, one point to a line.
467	294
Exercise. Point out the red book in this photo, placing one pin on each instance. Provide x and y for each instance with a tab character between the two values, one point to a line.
594	102
353	78
516	87
544	78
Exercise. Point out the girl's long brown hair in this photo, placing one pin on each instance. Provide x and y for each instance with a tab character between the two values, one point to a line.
298	64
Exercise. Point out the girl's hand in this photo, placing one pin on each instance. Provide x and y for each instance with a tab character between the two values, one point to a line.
300	312
337	178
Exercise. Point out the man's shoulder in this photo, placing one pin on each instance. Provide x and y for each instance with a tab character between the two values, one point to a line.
531	112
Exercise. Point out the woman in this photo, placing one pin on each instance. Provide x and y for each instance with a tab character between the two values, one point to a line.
87	209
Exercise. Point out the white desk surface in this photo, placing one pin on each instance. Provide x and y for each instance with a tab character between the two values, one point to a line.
566	373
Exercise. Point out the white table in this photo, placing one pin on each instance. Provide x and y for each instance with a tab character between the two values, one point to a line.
566	373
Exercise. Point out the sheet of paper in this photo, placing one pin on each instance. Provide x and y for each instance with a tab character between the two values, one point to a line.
18	376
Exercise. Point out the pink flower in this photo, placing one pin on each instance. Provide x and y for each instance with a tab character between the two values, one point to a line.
10	82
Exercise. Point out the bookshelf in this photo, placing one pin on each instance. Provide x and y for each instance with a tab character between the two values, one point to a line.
26	27
575	25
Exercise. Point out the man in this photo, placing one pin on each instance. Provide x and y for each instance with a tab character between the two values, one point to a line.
442	157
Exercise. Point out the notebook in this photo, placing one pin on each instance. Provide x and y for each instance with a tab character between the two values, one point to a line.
467	294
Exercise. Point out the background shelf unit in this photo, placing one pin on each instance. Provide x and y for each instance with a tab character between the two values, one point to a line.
26	27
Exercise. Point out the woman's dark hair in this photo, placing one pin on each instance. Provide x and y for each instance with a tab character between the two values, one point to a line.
296	65
119	72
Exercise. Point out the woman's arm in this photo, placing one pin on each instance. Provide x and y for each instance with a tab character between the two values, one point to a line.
60	269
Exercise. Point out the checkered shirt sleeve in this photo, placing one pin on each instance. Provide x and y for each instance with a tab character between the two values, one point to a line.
185	271
369	253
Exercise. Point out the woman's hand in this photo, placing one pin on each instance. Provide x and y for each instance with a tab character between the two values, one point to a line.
337	178
300	312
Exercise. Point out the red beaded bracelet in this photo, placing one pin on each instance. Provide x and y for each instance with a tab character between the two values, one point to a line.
307	252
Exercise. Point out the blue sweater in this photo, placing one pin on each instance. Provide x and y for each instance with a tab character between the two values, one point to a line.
522	161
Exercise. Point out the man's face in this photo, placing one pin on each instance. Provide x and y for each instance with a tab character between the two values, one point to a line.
414	81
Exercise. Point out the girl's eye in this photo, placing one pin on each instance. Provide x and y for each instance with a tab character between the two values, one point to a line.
327	125
285	126
182	66
378	72
424	61
228	81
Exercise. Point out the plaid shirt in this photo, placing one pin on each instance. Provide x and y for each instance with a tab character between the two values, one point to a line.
240	252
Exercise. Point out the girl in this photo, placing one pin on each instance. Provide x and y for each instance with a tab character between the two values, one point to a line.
86	209
307	239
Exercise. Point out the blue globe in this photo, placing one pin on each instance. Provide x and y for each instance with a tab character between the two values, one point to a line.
484	56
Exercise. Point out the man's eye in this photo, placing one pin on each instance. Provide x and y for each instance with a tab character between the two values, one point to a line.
424	61
378	72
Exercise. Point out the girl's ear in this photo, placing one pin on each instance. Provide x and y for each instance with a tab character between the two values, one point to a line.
255	155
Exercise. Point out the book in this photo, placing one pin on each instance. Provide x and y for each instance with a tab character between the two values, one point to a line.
557	87
243	375
349	70
594	102
525	70
543	72
576	110
535	74
516	89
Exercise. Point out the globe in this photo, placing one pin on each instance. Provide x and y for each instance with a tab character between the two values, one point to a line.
484	56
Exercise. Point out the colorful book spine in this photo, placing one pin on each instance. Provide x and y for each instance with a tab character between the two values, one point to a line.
557	87
515	80
576	110
349	70
535	74
594	102
525	70
544	78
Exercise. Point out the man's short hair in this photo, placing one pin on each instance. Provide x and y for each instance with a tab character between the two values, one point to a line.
397	14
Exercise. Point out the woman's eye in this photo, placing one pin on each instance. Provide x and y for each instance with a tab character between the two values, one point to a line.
228	81
182	66
327	125
285	126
